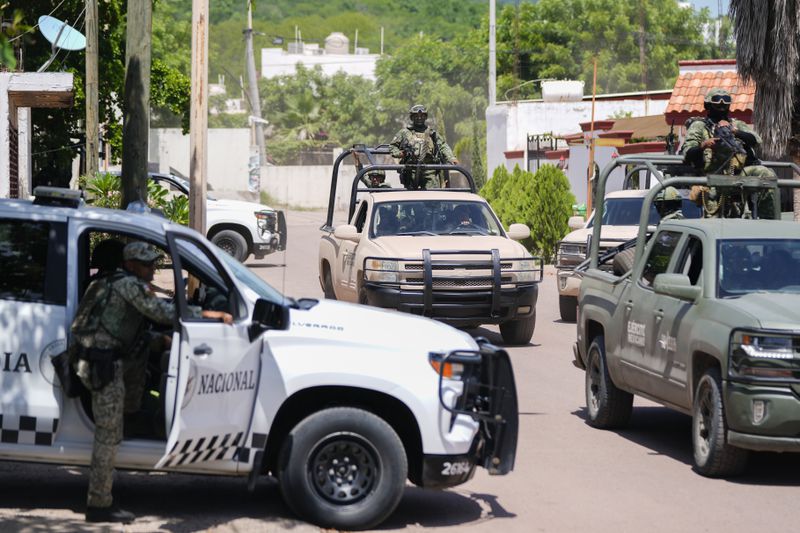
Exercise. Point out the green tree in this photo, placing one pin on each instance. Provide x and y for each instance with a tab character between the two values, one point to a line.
549	200
493	188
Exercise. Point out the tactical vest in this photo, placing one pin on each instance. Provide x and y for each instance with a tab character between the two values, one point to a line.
121	320
422	143
88	317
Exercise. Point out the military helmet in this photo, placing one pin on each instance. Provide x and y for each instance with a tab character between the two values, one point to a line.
140	251
668	194
416	109
718	96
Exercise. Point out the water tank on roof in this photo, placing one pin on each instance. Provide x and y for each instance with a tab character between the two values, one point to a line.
562	91
337	43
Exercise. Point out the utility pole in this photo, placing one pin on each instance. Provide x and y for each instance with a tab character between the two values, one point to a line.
590	172
136	103
198	120
643	43
92	105
492	53
258	151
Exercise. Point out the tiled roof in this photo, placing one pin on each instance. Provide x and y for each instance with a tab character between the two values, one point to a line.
692	86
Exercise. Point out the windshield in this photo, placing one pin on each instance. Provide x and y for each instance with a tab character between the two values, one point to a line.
433	217
626	211
258	285
756	265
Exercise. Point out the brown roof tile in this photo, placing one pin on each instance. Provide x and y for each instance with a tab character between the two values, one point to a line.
691	88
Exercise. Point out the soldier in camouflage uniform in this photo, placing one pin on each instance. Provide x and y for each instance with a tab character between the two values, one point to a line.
419	144
107	326
708	154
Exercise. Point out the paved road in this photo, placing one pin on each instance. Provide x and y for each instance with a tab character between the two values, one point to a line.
568	477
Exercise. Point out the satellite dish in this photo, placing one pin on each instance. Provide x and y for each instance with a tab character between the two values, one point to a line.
61	35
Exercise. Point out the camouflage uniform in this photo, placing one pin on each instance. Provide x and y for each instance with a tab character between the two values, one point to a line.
426	146
721	159
112	316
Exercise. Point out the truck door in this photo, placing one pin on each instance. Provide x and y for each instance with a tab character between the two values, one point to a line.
33	326
214	368
641	320
348	282
669	357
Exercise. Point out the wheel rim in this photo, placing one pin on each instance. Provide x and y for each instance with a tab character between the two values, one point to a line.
593	383
344	468
703	419
229	246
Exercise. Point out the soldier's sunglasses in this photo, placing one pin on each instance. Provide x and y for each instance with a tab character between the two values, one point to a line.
721	99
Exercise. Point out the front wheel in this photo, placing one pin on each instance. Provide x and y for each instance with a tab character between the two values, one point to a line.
327	283
343	468
231	242
607	406
713	457
518	332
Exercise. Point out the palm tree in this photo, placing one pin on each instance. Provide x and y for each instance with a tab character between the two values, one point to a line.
768	53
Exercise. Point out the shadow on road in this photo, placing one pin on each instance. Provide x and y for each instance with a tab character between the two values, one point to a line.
495	338
53	499
428	508
265	265
666	432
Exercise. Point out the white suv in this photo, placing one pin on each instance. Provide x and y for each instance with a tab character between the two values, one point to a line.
340	413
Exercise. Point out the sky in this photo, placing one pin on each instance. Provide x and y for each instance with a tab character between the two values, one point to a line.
711	5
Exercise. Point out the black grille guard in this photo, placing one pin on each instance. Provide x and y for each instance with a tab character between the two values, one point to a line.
489	396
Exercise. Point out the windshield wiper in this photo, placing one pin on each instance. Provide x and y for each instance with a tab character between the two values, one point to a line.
468	232
415	233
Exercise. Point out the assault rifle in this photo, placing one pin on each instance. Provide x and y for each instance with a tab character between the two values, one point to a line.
411	179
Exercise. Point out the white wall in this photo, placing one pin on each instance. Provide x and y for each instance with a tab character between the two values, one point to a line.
277	62
508	124
228	155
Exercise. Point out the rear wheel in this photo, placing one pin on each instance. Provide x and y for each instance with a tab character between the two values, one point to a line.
713	456
343	468
518	331
231	242
568	307
607	406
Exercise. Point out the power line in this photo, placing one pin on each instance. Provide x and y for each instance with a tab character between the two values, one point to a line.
37	23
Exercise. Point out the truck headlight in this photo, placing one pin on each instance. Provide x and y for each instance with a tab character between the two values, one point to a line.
526	270
764	355
446	369
381	270
266	220
570	254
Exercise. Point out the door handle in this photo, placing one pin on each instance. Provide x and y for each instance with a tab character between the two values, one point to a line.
629	305
659	314
203	349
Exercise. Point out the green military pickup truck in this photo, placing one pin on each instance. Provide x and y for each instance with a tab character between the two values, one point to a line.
706	322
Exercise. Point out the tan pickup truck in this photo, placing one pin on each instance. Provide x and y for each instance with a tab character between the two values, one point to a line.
440	253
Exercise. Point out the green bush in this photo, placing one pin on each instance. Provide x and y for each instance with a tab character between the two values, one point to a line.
104	190
543	201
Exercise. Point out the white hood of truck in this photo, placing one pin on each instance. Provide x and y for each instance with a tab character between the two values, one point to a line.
332	322
617	233
237	205
411	247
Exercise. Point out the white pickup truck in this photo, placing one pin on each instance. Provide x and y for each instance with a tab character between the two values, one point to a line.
340	413
240	228
440	253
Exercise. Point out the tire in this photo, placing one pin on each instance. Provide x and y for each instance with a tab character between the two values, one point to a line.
713	456
518	332
327	282
607	407
568	307
333	438
233	243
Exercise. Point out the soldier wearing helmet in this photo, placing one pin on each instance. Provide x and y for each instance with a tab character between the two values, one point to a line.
719	144
417	143
669	204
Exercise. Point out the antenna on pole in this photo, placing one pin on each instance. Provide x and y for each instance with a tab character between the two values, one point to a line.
61	36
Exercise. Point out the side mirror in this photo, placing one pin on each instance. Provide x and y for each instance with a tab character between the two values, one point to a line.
575	222
677	286
283	232
269	316
347	232
518	232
